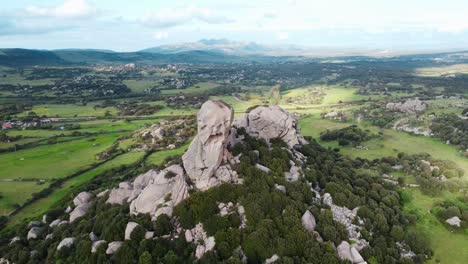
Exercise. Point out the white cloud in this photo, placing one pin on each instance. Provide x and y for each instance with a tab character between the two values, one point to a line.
165	18
68	9
160	35
282	35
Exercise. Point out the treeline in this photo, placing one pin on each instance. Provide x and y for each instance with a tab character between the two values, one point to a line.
351	135
453	129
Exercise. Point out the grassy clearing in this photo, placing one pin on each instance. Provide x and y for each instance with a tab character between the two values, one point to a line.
442	71
70	110
139	86
449	247
54	161
392	143
198	88
16	193
40	206
15	79
158	157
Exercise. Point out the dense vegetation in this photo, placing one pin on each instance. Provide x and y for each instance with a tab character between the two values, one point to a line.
351	135
451	128
273	218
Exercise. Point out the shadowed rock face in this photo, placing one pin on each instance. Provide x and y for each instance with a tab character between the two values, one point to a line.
208	149
271	122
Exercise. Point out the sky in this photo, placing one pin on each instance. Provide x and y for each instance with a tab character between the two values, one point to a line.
124	25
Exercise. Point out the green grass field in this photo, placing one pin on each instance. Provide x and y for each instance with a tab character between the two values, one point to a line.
54	161
70	110
158	157
16	193
448	246
40	206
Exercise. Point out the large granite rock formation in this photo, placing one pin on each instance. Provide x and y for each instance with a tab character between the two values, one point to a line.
208	149
162	193
128	191
271	122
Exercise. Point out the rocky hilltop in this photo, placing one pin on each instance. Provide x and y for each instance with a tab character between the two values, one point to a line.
250	189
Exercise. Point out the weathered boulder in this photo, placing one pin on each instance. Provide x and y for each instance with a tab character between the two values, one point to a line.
208	149
101	194
262	168
273	259
82	198
82	202
14	240
271	122
188	236
167	189
454	221
79	211
293	174
113	247
96	245
34	233
93	237
49	236
34	223
129	229
149	234
66	242
308	221
280	188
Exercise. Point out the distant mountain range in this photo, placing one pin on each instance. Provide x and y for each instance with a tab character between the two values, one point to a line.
203	51
222	46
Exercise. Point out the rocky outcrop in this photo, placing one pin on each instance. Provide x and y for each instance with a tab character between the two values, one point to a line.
347	217
96	244
308	221
208	149
66	243
128	191
293	174
162	193
34	233
129	229
79	211
454	221
198	236
271	122
82	202
113	247
271	260
82	198
346	252
410	106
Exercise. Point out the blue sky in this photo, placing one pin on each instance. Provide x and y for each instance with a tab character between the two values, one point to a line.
126	25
